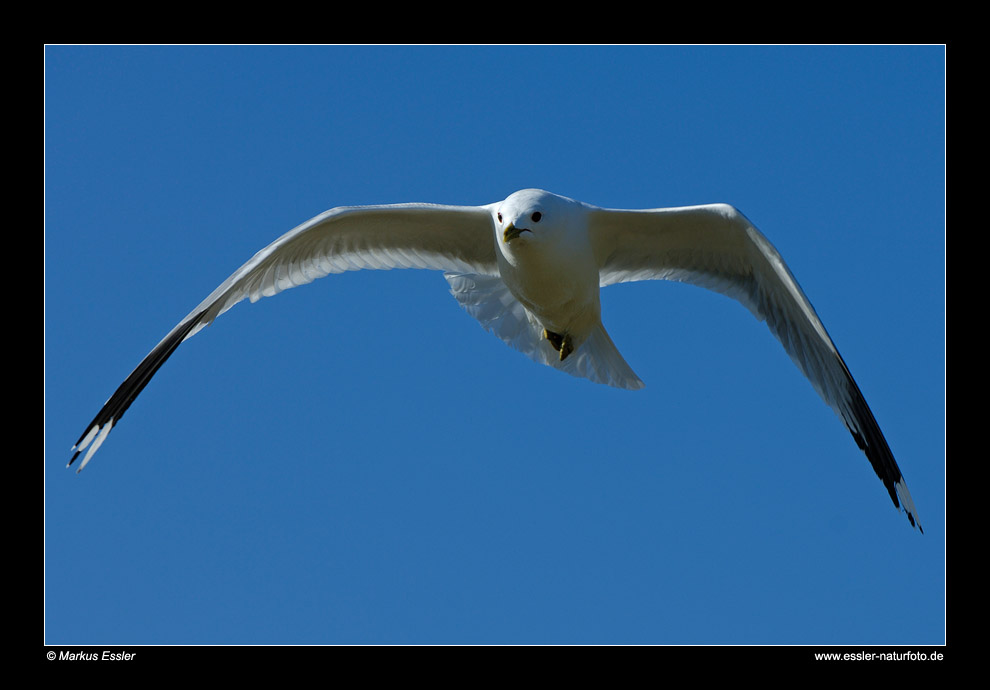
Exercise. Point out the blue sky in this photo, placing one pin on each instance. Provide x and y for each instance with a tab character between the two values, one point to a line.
358	461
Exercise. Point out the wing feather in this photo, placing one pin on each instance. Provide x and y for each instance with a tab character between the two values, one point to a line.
716	247
445	238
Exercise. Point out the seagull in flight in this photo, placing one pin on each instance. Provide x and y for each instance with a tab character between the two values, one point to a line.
530	269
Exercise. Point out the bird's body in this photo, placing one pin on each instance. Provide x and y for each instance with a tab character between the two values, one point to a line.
550	266
530	269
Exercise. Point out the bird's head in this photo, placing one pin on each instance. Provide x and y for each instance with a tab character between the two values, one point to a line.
534	216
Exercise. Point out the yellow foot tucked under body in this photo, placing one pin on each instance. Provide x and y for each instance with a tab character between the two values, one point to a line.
561	343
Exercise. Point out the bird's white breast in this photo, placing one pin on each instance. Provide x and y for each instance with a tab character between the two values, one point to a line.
556	280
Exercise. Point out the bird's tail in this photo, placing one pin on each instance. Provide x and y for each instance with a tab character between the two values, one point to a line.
489	300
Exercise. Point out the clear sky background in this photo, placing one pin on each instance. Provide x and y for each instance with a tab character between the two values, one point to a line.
358	461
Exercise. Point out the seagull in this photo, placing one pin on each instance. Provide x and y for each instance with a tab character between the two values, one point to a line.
530	270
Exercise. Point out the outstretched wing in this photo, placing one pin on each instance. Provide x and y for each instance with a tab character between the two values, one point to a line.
446	238
716	247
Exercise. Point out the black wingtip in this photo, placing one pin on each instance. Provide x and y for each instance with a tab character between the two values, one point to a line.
866	432
125	394
915	523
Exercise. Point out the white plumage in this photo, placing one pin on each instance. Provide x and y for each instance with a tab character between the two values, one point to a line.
530	269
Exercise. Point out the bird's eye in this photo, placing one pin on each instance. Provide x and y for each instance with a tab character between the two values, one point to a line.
537	216
500	218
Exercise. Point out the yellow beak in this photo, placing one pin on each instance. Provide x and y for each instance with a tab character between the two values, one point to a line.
511	232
